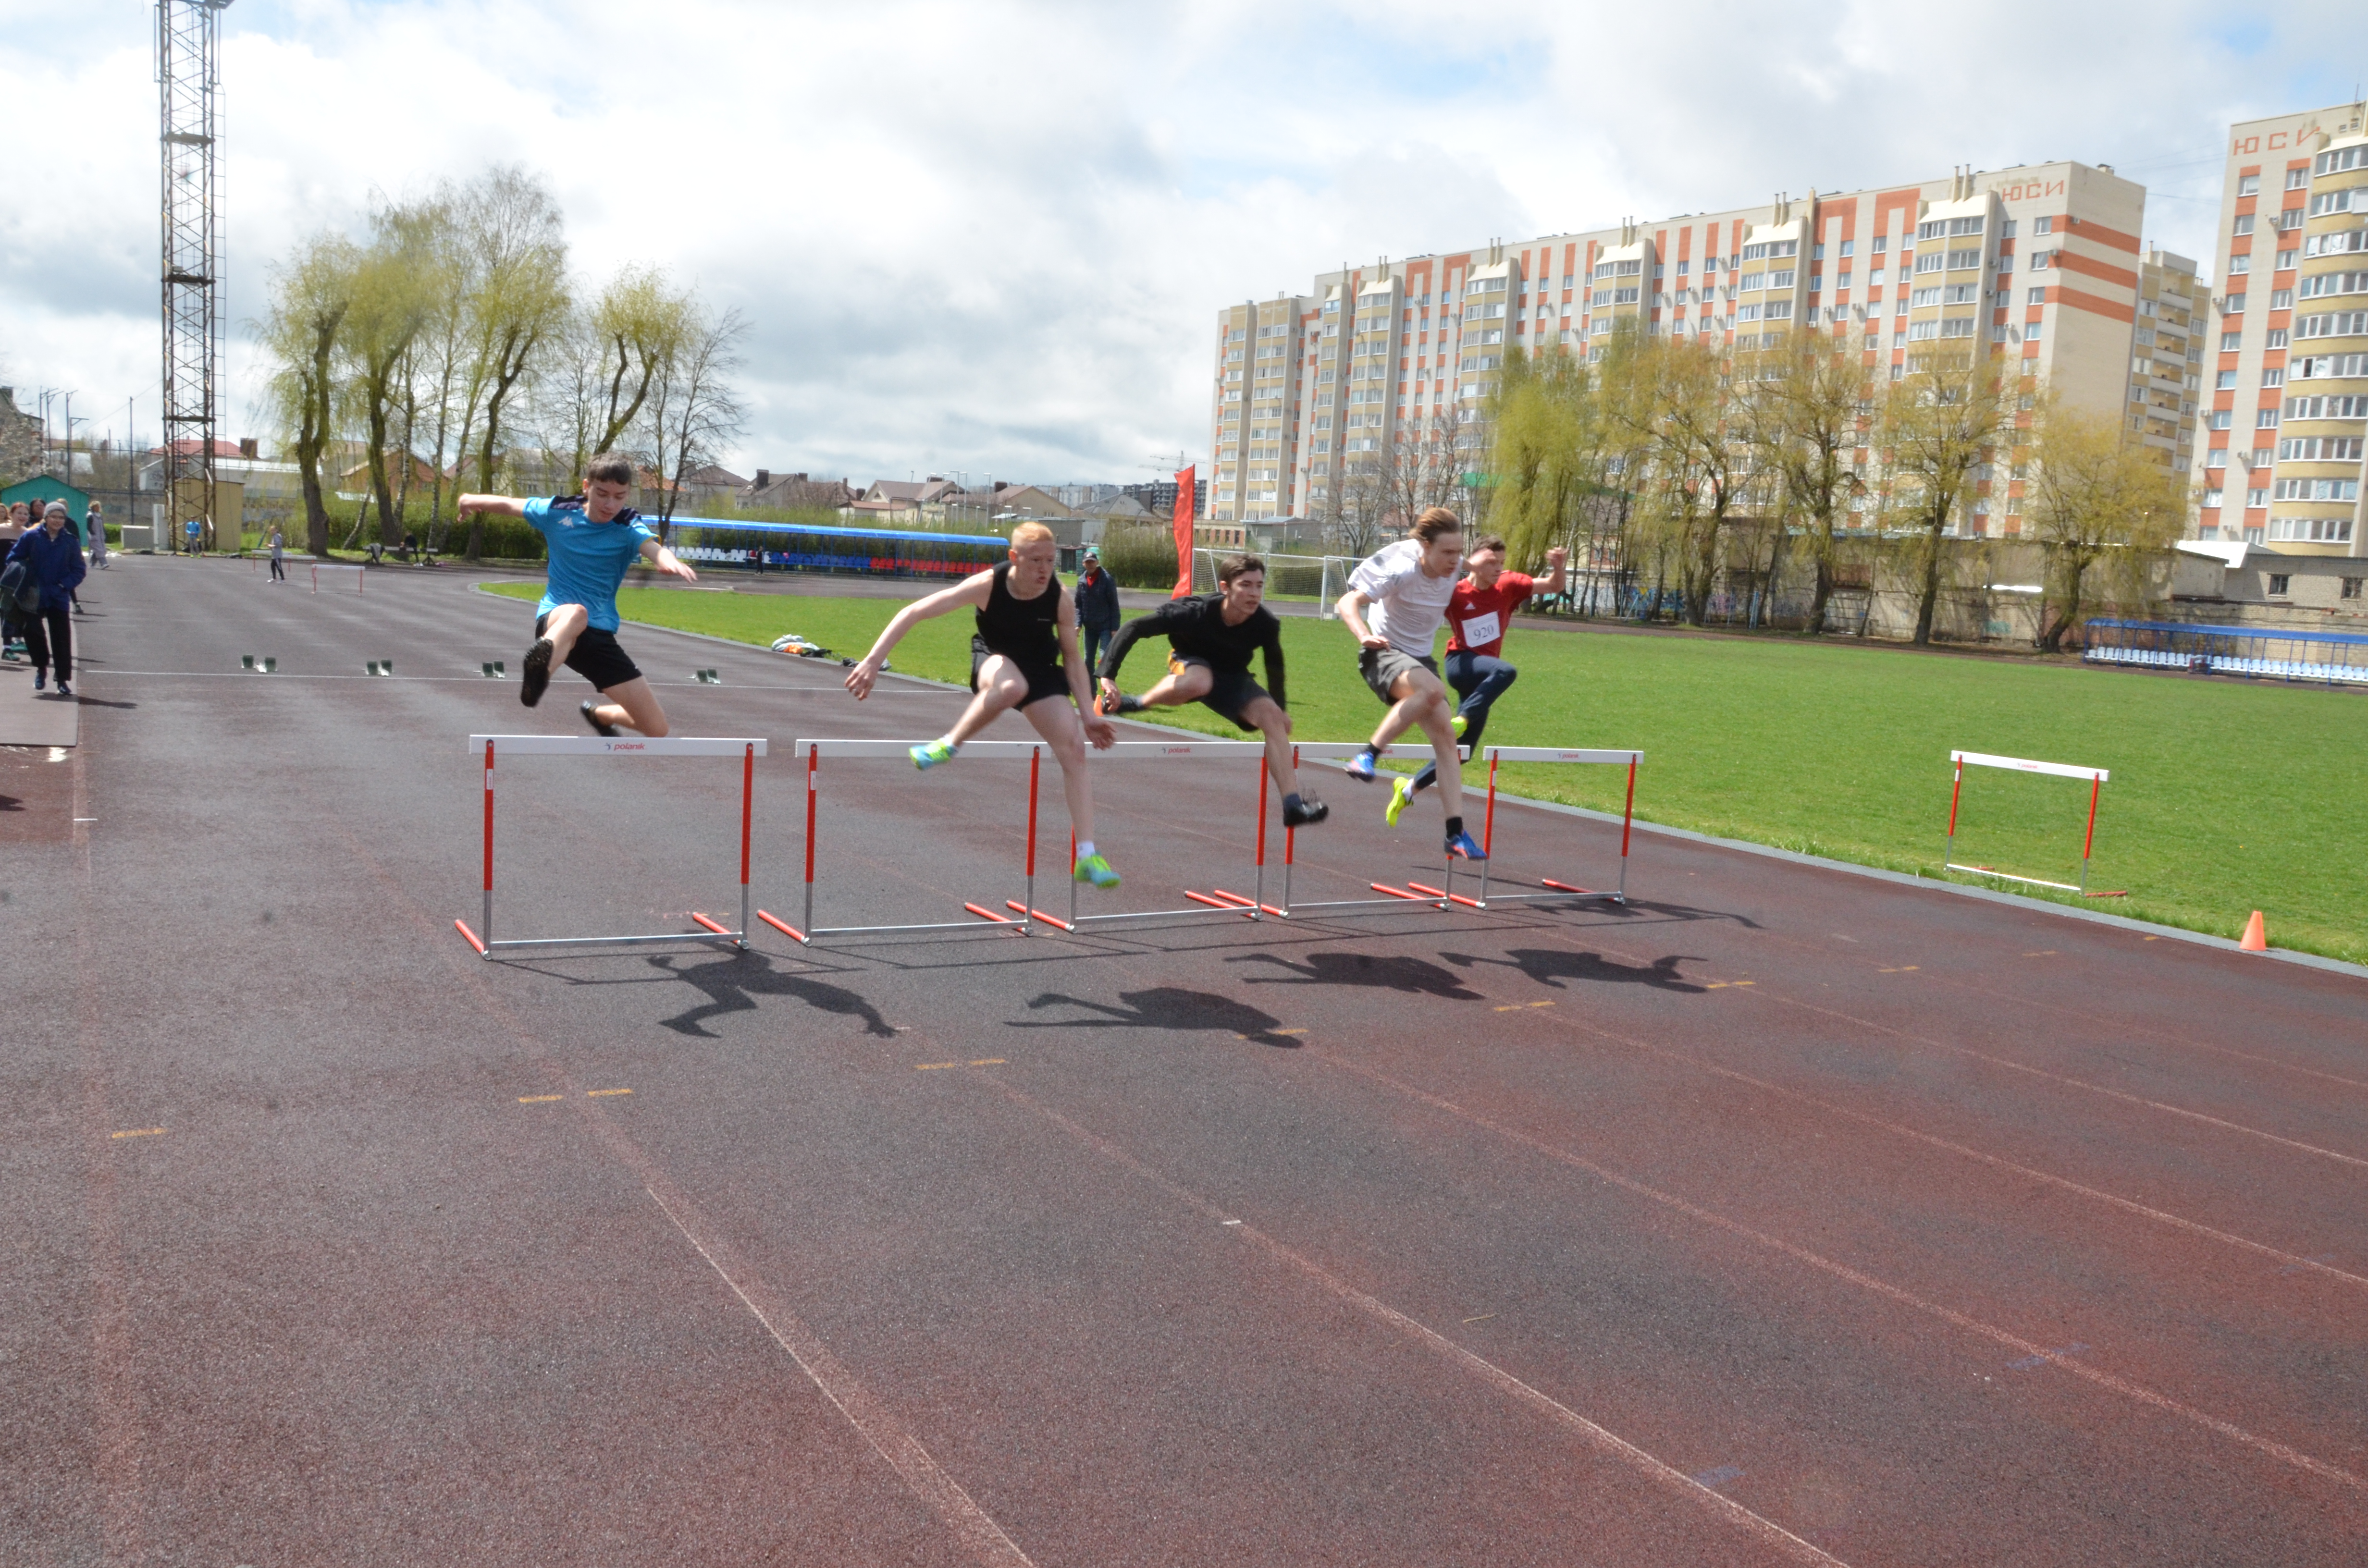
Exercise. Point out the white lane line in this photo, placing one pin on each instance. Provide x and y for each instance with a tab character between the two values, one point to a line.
1602	1440
905	1455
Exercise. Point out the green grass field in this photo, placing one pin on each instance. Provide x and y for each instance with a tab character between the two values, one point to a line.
2225	797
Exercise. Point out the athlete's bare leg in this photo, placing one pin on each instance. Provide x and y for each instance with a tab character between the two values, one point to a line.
1055	718
562	627
1179	686
1001	688
1421	702
633	705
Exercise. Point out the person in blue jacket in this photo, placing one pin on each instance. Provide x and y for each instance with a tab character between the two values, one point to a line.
52	555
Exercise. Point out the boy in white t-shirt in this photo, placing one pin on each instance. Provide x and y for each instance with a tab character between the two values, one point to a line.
1408	586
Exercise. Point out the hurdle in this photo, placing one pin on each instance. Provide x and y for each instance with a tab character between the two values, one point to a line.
320	566
1444	897
747	750
1961	760
1025	916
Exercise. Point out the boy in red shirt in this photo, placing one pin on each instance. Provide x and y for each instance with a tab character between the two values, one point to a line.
1476	618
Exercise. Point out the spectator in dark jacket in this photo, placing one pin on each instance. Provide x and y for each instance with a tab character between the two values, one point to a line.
52	558
1097	608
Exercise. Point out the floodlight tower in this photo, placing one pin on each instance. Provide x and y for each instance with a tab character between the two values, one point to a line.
188	73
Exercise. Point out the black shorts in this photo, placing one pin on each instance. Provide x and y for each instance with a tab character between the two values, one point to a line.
1044	680
1230	691
597	657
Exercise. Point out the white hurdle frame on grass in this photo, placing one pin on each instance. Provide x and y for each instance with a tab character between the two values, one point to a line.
748	749
1961	760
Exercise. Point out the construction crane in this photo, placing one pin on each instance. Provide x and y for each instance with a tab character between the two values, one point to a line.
188	74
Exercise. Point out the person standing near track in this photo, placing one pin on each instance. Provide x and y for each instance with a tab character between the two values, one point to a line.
94	537
1211	638
51	556
1477	618
278	555
1024	656
1097	613
593	538
1408	586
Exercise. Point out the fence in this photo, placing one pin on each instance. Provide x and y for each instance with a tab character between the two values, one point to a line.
2334	657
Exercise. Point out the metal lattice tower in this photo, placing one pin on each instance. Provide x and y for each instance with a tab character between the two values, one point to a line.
188	74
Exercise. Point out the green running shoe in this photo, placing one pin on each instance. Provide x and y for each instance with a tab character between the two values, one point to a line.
1401	796
927	756
1459	724
1094	869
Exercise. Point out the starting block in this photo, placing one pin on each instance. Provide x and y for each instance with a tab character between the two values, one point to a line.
707	678
271	666
622	747
496	670
381	666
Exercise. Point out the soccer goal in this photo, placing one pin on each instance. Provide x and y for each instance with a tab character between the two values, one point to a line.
1320	577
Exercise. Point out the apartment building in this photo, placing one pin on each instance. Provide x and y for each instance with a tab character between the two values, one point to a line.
2289	409
2044	261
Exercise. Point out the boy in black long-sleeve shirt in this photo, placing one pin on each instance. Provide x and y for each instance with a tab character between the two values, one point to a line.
1211	638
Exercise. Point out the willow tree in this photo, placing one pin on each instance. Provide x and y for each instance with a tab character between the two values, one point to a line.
610	357
310	294
1806	417
1936	427
2100	505
512	226
392	303
1545	462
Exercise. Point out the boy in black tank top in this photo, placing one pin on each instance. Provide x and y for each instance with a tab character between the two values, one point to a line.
1023	652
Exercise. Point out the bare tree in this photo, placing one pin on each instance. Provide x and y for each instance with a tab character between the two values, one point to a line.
611	357
693	408
513	226
310	294
1936	427
2096	498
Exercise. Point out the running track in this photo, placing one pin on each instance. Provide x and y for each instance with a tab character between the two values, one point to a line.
1785	1217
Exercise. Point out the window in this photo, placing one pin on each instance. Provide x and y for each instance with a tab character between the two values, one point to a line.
2239	264
1682	267
2349	200
1919	332
2286	260
2312	531
2220	418
1753	280
2217	458
2336	162
2296	178
1819	253
2228	379
2244	224
1849	247
2278	584
2006	264
2036	297
2211	499
2316	490
1874	276
1781	279
2041	260
2275	376
2329	408
2256	497
1962	294
2234	307
1930	261
2231	341
2248	185
2350	589
1957	326
2043	225
2031	331
1965	260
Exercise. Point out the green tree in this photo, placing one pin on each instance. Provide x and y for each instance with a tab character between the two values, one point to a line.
1937	426
2100	506
391	307
1806	417
520	253
310	296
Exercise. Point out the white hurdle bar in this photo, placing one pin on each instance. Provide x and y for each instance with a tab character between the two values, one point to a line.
745	748
359	574
1961	760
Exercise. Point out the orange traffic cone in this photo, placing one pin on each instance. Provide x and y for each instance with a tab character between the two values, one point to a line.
2256	939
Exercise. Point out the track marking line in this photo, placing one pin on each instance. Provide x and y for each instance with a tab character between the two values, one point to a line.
1903	968
990	1062
597	1094
2136	1393
1286	1031
1602	1440
2043	953
933	1066
1725	985
2093	1088
138	1132
905	1455
1483	1317
539	1099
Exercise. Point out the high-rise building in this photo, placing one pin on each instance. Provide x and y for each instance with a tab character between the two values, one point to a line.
2289	410
2165	353
2044	261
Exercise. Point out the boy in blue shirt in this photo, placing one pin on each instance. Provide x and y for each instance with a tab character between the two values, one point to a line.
593	538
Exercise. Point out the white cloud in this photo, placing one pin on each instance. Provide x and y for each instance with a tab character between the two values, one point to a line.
993	236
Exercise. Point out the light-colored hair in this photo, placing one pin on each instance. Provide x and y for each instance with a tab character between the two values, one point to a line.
1029	533
1435	521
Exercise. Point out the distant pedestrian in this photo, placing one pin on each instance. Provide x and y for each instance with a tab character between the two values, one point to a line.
193	536
52	555
278	555
95	536
1097	608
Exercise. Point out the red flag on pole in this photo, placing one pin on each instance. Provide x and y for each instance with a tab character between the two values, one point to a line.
1185	486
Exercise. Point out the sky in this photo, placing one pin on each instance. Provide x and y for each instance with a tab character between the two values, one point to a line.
991	237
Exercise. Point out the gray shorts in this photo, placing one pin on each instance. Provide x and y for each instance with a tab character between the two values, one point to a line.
1382	666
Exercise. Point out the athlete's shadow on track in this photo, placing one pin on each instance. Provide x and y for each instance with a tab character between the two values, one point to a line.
1551	966
1415	976
1169	1007
732	984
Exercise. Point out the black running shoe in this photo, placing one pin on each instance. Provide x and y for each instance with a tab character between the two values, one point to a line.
1127	704
1306	814
591	712
536	678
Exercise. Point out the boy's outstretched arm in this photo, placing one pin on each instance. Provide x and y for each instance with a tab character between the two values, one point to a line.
970	591
667	560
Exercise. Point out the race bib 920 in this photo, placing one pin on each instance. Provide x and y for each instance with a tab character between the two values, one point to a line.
1481	629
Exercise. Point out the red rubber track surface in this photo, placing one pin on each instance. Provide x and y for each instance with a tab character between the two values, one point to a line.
1783	1216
